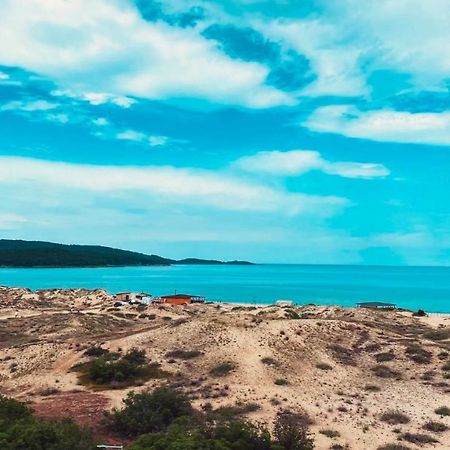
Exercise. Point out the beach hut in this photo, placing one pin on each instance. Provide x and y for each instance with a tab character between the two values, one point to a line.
181	299
376	305
133	297
284	303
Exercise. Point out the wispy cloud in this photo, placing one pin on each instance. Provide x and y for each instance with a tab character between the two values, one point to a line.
30	105
173	184
298	162
382	125
138	136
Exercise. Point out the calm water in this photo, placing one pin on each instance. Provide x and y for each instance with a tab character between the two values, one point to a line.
409	287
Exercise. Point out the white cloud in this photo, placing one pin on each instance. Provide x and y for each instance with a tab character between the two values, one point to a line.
350	39
100	122
10	221
336	63
137	136
28	106
408	36
131	135
96	98
105	46
169	183
297	162
382	125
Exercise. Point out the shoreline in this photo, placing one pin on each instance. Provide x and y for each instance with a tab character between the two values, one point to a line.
238	303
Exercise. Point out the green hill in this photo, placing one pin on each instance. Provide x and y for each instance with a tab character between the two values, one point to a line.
18	253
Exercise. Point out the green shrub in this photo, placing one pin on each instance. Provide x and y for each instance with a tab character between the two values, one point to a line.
420	313
148	412
281	382
237	410
189	433
291	314
47	435
96	351
19	430
384	357
330	433
437	335
383	371
135	357
12	411
372	388
394	447
394	417
343	355
222	369
118	373
268	361
184	354
324	366
435	427
418	354
419	439
443	411
291	431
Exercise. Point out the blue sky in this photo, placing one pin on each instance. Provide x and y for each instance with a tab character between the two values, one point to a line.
293	131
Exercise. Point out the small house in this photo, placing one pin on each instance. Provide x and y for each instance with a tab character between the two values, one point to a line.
133	297
376	305
181	299
284	303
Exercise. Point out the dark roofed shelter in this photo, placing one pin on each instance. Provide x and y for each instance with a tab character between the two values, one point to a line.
376	305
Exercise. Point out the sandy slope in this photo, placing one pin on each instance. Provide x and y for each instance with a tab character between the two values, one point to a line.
43	335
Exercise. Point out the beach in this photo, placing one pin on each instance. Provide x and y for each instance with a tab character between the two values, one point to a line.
328	361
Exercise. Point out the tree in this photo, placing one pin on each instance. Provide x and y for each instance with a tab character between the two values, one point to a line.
47	435
291	431
147	412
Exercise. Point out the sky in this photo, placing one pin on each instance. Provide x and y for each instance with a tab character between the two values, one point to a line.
289	131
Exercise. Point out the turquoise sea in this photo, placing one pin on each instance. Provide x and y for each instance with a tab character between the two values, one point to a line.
409	287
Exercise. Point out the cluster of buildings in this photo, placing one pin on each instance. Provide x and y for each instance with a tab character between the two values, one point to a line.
144	298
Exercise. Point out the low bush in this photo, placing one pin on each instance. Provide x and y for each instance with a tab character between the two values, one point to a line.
384	357
419	439
420	313
443	411
437	335
394	447
330	433
383	371
435	427
372	388
268	361
222	369
324	366
394	417
237	410
96	351
418	354
281	382
291	314
342	354
183	354
120	372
